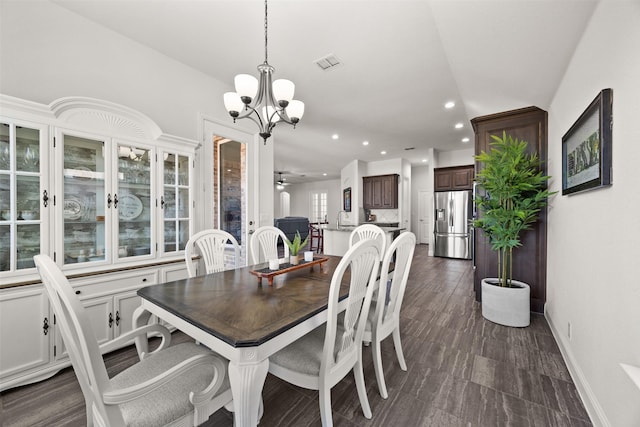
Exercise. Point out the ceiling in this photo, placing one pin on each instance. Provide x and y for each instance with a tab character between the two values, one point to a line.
401	62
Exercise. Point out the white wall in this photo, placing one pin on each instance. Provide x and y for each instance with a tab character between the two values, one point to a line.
445	159
421	180
594	237
300	205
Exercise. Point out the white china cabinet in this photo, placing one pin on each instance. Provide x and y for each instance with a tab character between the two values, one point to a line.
108	196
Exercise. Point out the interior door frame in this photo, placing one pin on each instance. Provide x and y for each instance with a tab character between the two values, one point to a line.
204	190
425	227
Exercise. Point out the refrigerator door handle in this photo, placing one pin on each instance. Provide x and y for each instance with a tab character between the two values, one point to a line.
451	211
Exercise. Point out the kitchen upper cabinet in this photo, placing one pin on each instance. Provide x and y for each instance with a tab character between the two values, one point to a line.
453	178
380	191
529	260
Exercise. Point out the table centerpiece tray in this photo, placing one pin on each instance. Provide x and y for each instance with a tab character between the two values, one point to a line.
267	273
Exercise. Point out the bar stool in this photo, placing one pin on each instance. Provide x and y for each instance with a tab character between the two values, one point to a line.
315	235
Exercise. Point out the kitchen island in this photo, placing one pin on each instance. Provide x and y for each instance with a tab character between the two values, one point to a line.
336	240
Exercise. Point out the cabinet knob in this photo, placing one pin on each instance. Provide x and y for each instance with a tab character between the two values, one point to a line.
144	280
109	200
78	292
115	201
45	198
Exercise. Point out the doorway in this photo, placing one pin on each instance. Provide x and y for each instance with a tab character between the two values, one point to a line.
227	201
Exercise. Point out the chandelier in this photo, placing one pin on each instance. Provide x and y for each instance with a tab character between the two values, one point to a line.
265	102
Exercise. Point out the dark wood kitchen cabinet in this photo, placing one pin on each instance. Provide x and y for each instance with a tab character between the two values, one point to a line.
529	260
380	191
453	178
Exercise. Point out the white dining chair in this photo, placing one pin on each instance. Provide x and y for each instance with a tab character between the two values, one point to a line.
213	246
384	320
178	385
265	240
323	357
369	231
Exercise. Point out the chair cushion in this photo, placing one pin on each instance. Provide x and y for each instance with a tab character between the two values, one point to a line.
304	355
170	401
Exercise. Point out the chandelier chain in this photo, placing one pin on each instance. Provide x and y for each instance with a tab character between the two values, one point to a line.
265	32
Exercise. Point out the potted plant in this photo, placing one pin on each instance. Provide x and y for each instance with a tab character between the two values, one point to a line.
512	191
295	246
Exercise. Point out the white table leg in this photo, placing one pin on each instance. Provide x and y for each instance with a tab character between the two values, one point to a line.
247	380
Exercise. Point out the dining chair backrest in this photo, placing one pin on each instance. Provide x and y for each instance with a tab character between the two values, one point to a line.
385	319
400	252
79	338
213	246
363	262
369	231
266	239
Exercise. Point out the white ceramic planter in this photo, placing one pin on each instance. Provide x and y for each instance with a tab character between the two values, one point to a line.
506	306
294	259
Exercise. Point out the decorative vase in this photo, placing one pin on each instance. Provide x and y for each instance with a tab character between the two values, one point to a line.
506	306
294	259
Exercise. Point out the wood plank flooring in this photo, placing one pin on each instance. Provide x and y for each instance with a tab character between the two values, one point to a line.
462	371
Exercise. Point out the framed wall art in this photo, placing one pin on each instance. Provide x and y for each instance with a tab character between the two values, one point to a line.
586	147
346	199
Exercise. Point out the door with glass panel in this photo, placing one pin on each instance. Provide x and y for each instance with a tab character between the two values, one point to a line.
24	197
132	201
175	201
85	200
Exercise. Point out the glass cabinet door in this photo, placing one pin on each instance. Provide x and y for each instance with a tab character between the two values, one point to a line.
22	198
175	201
133	201
85	200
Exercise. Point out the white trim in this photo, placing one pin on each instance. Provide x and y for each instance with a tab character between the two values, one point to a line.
589	399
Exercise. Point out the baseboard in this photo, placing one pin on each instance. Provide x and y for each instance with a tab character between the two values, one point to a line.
591	404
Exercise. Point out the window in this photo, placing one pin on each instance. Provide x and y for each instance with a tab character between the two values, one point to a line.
318	211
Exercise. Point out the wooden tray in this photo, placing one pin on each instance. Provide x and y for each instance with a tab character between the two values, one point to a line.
285	268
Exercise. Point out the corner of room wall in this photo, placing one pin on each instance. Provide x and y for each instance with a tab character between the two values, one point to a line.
592	284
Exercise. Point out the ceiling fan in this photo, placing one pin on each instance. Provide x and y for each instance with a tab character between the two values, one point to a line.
281	180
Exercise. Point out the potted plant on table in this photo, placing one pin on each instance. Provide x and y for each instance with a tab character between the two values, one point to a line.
513	190
295	246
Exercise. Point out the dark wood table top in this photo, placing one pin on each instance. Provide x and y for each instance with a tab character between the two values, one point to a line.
234	308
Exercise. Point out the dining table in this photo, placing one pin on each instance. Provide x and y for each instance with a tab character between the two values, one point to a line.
246	319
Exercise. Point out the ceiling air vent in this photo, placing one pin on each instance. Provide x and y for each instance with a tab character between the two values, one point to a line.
328	62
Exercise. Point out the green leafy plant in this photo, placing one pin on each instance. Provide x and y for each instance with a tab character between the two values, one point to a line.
297	244
512	191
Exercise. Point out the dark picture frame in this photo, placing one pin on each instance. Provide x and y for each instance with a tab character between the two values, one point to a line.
346	199
586	147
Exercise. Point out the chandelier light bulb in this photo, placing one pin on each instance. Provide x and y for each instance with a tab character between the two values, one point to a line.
283	91
246	87
295	110
233	103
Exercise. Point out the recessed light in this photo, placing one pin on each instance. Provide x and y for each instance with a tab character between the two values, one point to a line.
449	104
365	142
424	160
324	174
383	152
465	139
459	125
335	136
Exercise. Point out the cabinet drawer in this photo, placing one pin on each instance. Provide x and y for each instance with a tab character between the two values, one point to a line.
111	283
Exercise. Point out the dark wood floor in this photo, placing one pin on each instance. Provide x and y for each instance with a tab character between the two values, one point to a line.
463	371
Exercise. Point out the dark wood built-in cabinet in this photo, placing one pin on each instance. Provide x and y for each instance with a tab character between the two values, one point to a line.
529	260
453	178
380	191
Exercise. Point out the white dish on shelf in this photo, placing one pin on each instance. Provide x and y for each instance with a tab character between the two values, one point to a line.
73	208
129	207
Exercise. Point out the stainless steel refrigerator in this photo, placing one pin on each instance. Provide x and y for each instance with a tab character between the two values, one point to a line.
452	232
